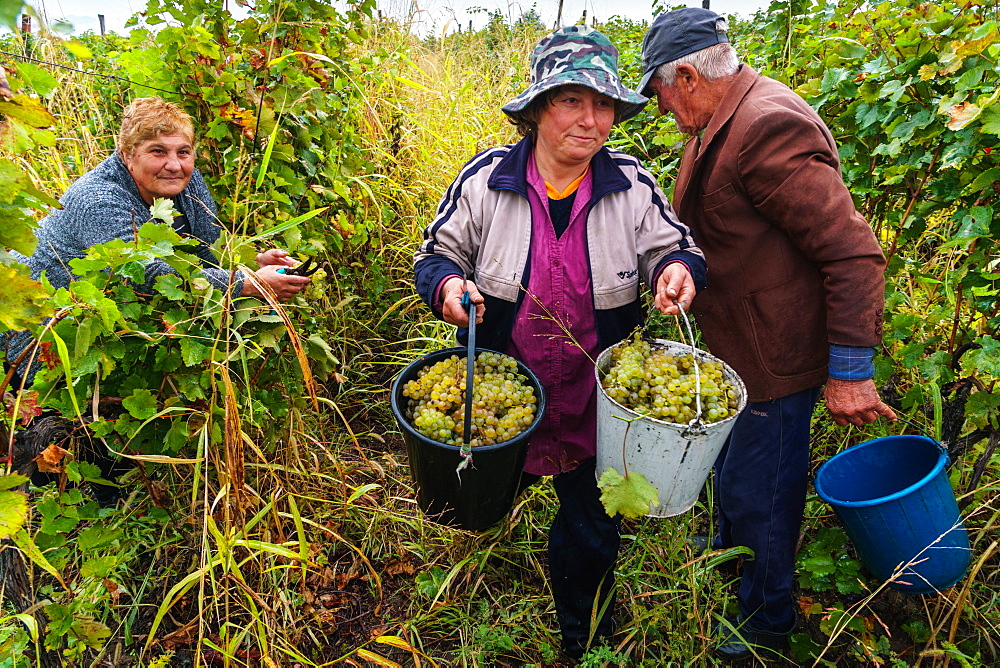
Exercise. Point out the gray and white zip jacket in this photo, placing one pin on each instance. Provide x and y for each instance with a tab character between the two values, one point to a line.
482	230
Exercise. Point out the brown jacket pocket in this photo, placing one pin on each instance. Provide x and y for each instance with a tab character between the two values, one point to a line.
717	197
788	325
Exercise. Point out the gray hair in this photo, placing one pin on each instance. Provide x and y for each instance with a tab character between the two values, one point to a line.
714	62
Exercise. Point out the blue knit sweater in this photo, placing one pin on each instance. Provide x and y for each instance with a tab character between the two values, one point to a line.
104	204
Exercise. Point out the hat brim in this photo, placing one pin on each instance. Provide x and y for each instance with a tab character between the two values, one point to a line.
643	87
597	80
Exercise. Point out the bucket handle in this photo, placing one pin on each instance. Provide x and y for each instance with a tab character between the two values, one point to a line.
465	452
695	427
923	432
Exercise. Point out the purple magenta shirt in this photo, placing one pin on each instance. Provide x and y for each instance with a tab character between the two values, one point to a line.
559	286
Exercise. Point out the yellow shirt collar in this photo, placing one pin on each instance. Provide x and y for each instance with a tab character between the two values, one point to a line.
570	189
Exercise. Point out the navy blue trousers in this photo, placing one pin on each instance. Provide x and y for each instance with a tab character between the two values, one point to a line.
583	550
760	488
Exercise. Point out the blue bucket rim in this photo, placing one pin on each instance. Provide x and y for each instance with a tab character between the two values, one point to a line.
396	398
895	496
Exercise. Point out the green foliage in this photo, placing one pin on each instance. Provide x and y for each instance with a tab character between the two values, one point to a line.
652	138
285	71
10	11
603	656
910	93
301	108
13	505
96	549
186	336
430	582
824	565
24	119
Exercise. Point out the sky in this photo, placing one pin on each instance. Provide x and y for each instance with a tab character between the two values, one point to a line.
432	15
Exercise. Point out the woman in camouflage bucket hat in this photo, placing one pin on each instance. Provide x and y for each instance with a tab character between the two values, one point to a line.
560	217
577	55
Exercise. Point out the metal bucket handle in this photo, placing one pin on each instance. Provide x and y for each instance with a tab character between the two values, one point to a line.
924	432
470	366
695	427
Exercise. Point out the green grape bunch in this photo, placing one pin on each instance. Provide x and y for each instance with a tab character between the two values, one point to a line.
503	400
660	383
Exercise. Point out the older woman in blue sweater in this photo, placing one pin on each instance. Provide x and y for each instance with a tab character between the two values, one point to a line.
154	159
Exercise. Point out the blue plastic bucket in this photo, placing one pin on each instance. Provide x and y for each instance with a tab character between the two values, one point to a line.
894	499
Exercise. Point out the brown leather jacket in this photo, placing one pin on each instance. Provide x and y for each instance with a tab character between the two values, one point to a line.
792	265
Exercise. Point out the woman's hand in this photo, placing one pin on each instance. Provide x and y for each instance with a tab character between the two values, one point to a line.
674	285
452	310
283	286
275	256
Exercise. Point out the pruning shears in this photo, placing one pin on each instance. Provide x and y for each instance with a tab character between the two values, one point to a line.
307	268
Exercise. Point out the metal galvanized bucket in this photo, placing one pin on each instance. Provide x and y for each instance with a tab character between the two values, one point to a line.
674	458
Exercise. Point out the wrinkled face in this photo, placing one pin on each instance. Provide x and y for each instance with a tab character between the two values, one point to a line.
675	99
161	167
574	125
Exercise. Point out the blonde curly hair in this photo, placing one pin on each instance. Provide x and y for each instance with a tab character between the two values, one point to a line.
151	117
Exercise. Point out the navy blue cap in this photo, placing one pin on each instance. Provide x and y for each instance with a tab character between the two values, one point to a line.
676	34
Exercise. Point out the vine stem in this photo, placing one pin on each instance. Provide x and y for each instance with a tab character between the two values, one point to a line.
28	352
910	205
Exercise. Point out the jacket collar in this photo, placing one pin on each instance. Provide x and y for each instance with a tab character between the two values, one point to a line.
745	79
696	147
512	172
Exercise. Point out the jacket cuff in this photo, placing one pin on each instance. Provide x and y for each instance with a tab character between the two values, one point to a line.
436	302
851	362
695	265
428	273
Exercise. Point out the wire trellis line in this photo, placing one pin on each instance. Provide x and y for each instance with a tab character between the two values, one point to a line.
93	74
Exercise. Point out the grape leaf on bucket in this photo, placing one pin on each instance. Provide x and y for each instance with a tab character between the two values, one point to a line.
628	494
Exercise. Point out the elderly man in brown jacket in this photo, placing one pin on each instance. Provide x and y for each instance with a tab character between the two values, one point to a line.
794	298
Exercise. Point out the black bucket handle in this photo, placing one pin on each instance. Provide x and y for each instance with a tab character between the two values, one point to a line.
923	432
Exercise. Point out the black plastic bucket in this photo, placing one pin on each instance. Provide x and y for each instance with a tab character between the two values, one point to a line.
488	486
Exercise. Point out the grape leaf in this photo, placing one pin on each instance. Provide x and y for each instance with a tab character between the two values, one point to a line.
23	302
28	110
163	209
991	120
99	567
12	481
13	512
169	286
629	495
50	460
194	352
141	404
40	80
27	407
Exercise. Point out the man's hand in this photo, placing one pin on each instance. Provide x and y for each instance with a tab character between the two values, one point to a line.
283	286
855	402
452	310
674	284
275	256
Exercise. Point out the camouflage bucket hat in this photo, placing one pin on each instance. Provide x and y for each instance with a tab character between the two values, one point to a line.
577	55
